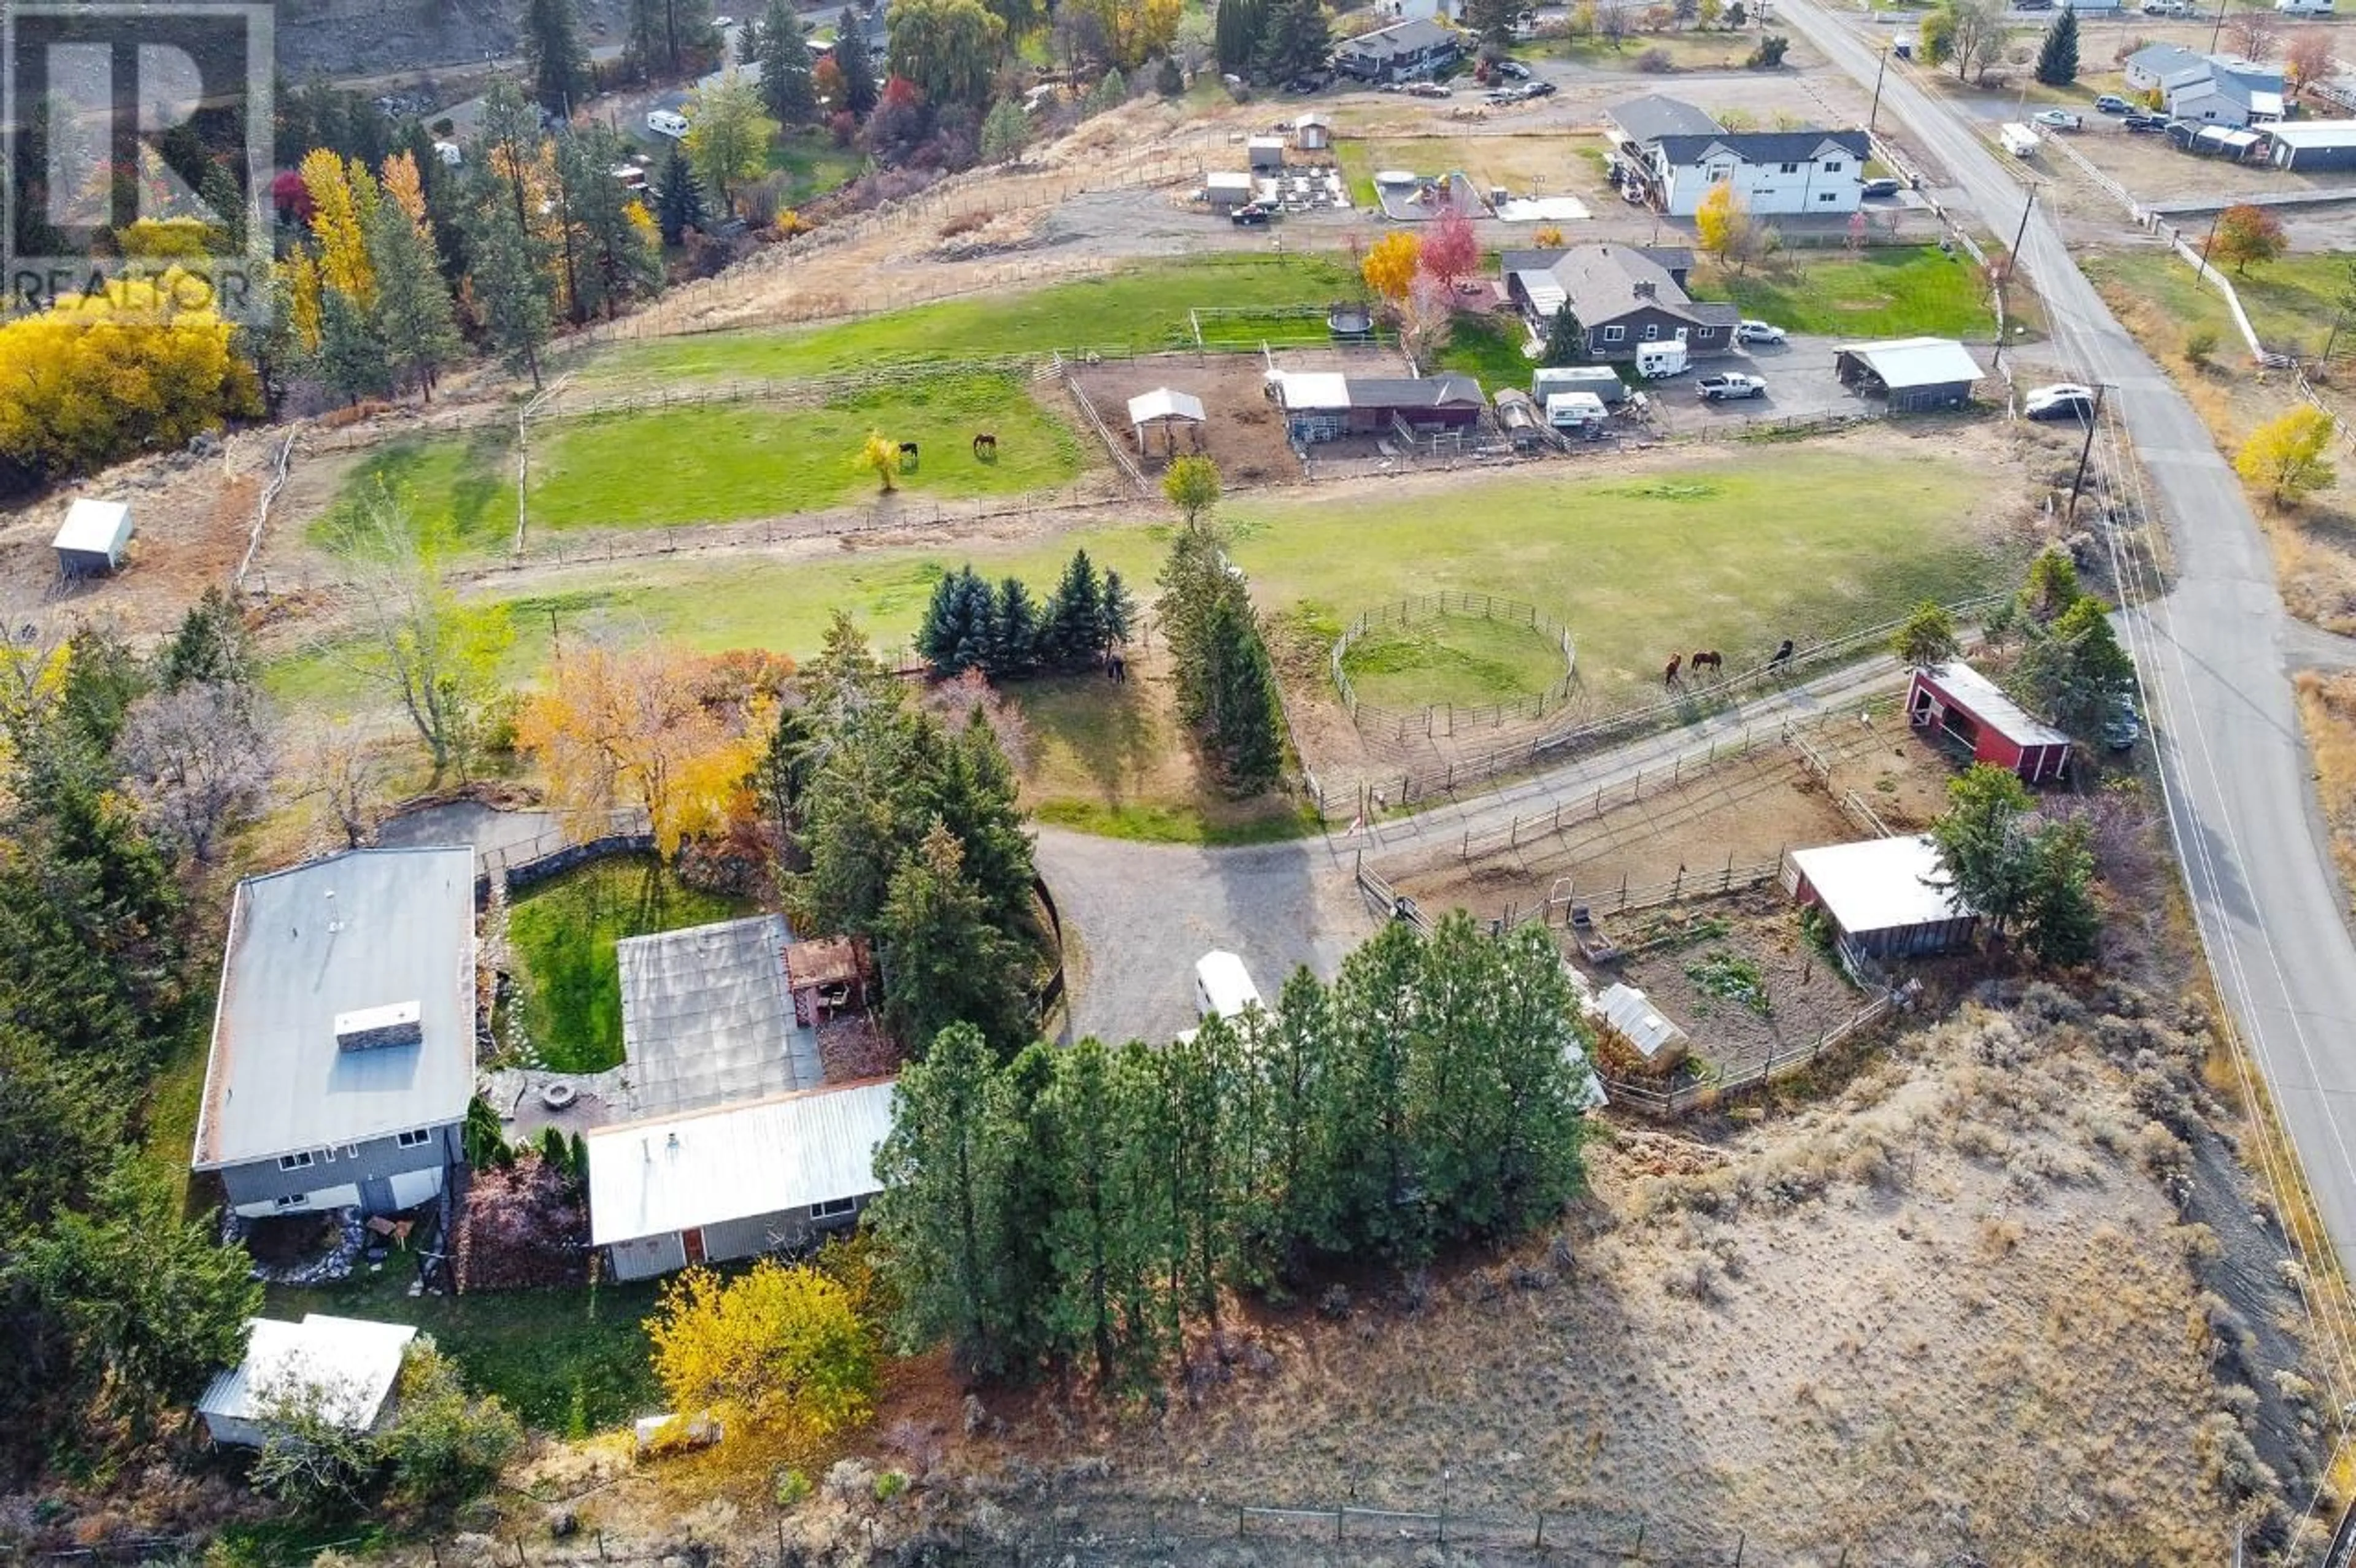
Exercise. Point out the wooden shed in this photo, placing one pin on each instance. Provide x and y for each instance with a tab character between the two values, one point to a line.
1916	375
1957	703
93	539
1885	897
828	977
1313	132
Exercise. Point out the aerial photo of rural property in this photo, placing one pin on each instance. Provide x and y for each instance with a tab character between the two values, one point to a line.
1259	783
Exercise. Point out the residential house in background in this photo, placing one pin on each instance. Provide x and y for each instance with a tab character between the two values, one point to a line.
1422	46
1624	296
1681	153
343	1050
2216	89
344	1367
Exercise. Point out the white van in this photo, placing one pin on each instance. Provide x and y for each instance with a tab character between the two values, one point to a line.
1223	986
2018	139
666	122
2304	7
1655	360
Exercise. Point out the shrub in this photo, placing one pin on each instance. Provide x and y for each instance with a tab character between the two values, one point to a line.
791	1488
1655	62
1769	53
2199	343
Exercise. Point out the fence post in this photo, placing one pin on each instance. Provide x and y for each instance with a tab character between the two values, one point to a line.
1239	1521
1739	1542
1639	1551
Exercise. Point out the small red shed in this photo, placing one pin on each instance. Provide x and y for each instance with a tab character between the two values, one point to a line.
1957	702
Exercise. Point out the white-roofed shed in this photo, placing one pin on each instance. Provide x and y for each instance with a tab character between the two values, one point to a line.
1164	408
92	541
1914	373
1886	897
351	1363
736	1181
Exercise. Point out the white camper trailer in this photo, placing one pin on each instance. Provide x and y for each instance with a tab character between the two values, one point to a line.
1655	360
1223	986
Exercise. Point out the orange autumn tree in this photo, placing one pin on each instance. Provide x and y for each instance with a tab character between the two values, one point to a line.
672	732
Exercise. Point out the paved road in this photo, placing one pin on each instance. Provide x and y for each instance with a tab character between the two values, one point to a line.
2215	657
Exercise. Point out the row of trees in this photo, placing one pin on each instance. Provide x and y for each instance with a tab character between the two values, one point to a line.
1074	1209
2028	875
533	230
1274	40
1225	681
1007	633
114	1307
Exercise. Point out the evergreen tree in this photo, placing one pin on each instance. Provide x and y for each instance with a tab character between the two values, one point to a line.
2060	925
1493	21
560	76
1074	632
1929	636
1116	611
1236	34
1566	339
1295	1058
1168	80
1003	131
1982	843
859	88
785	58
1013	648
679	199
352	358
1027	1132
211	647
2057	58
1093	1233
937	1224
421	328
1246	724
1296	37
642	37
511	289
615	258
944	962
956	632
1193	580
2075	670
969	786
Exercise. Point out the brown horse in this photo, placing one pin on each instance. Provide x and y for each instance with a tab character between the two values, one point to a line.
986	441
1712	657
1669	675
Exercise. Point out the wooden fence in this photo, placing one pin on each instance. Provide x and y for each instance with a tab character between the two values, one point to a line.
1441	718
1120	457
1654	1101
280	470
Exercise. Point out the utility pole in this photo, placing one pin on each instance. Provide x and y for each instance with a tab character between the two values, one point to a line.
2012	267
1880	71
2087	450
2218	217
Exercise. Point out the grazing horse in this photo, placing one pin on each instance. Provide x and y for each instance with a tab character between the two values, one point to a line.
908	455
1712	658
1669	675
986	441
1782	655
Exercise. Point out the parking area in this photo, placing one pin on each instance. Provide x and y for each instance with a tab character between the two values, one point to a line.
1800	385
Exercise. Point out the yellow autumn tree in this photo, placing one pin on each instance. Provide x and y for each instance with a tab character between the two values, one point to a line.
642	726
301	274
780	1352
405	187
1390	264
879	455
140	366
1723	225
2290	456
343	198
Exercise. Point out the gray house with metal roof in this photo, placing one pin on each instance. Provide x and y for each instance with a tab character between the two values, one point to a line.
1624	295
343	1052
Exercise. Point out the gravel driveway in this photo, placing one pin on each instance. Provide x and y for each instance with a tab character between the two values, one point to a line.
1141	914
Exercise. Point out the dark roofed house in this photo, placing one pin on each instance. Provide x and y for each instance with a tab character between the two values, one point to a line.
1404	49
343	1052
1624	296
1683	153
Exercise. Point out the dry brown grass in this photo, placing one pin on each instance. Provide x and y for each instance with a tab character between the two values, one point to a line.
2327	712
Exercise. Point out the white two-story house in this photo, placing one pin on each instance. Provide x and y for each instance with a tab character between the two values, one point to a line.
1681	152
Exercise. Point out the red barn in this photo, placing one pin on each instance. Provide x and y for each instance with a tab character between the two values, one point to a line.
1957	702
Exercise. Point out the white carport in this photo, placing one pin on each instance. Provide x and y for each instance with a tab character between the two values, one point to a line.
1165	408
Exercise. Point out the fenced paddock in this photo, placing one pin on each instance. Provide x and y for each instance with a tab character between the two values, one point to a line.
1446	719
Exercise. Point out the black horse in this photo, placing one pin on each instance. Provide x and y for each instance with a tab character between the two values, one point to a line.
908	455
1782	655
985	440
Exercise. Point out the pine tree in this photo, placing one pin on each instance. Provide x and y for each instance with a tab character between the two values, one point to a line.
859	88
944	962
1074	630
560	67
352	356
211	647
1027	1132
1093	1234
969	788
511	289
1376	1006
1003	133
1982	843
786	63
955	635
421	328
615	258
2060	925
1236	34
1295	38
1116	611
1013	648
937	1222
2057	58
679	199
1566	339
1247	722
1169	80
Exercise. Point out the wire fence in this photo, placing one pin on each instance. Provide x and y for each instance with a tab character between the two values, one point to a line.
1695	700
280	470
1445	719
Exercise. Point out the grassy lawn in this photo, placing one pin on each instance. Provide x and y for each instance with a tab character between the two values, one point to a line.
1734	553
1469	661
716	461
1110	759
2292	303
564	933
814	163
1888	292
1489	349
1142	308
460	490
1687	51
568	1362
1277	325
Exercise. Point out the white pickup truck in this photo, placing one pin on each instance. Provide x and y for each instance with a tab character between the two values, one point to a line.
1729	386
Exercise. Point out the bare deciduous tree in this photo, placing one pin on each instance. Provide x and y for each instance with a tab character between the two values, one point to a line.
198	759
2254	31
344	772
